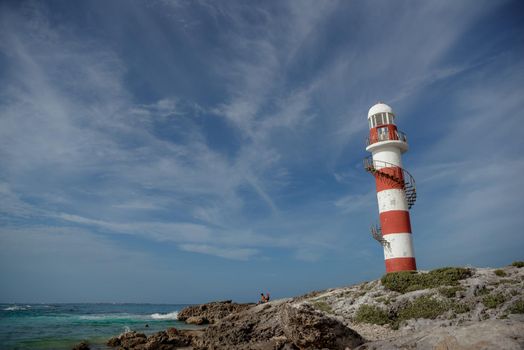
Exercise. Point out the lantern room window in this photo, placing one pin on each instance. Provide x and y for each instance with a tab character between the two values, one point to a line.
381	119
383	133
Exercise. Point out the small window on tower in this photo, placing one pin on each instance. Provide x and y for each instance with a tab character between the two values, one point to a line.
391	119
383	133
379	119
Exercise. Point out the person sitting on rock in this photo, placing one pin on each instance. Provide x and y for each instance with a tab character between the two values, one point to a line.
263	299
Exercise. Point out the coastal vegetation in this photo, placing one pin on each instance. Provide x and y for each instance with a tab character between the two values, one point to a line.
372	314
408	281
500	273
518	307
322	306
493	300
425	306
481	303
450	292
518	264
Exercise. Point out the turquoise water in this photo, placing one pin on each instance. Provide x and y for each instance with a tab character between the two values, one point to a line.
60	326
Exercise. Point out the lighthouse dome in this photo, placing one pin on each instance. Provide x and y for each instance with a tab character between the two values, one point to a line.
380	108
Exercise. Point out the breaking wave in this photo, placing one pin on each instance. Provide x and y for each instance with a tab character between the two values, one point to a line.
16	308
131	317
169	316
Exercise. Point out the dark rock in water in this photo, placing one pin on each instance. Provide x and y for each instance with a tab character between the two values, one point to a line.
128	340
164	340
81	346
309	329
212	312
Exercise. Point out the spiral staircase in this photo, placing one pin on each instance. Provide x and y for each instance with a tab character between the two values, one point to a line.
402	178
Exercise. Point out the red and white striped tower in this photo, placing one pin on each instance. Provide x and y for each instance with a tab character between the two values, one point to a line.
395	188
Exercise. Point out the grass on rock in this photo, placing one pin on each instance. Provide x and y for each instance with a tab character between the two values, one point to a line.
323	306
450	292
518	264
493	300
482	291
408	281
423	307
500	273
371	314
517	308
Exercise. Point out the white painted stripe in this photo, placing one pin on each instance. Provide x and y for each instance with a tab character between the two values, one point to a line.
400	246
389	155
393	199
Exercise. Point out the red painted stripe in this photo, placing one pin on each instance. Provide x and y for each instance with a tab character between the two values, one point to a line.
386	183
373	133
400	264
395	221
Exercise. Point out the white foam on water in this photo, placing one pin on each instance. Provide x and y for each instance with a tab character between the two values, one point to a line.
15	308
127	329
169	316
100	317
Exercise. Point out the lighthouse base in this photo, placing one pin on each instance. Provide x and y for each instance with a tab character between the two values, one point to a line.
400	264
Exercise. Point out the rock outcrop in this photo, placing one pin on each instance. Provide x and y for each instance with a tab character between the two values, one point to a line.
448	308
308	328
256	328
128	340
164	340
504	334
279	325
81	346
211	312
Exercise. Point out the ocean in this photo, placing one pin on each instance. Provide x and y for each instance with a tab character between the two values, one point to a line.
60	326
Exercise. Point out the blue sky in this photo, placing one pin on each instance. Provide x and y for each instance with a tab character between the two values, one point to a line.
186	151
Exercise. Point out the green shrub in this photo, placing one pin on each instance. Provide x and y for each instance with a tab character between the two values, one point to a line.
408	281
460	308
323	306
450	292
423	307
371	314
482	291
507	281
517	308
500	273
448	275
381	299
400	281
518	264
493	300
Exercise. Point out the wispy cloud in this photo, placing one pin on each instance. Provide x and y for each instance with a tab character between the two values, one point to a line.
228	253
247	168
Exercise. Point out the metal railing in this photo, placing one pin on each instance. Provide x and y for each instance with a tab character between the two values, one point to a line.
403	177
396	136
376	233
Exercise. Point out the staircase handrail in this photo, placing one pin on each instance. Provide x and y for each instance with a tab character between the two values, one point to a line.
409	185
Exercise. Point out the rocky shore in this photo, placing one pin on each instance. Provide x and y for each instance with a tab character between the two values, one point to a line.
211	312
449	308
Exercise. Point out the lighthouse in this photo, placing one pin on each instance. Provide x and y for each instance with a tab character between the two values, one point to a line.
396	192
